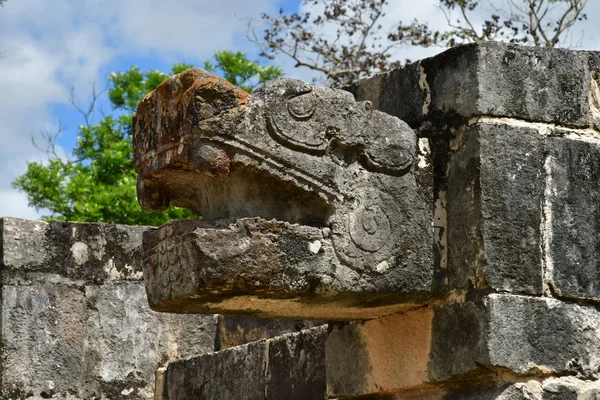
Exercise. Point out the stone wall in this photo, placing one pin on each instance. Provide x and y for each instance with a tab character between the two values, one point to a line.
75	319
510	137
504	305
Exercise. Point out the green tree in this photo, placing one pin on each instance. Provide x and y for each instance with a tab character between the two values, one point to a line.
96	183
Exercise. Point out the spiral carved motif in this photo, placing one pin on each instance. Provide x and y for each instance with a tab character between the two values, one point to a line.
369	228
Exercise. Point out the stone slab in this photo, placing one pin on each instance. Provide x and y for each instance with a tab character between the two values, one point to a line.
43	334
273	269
386	355
291	367
564	388
494	199
524	335
572	214
84	252
487	79
126	341
235	330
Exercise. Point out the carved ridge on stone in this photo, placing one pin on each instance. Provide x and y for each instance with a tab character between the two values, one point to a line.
311	157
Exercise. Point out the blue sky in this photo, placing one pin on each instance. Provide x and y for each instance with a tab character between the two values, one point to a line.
51	46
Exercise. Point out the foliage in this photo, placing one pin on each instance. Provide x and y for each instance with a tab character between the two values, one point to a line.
96	183
346	41
240	71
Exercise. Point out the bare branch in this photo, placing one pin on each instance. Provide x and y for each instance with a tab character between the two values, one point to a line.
49	138
88	112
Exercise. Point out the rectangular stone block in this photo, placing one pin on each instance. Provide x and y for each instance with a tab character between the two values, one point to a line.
567	388
488	79
43	332
291	367
524	335
572	216
87	252
235	330
494	198
386	355
126	341
274	269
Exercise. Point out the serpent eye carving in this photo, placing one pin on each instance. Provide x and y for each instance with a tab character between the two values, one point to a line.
302	107
369	228
302	131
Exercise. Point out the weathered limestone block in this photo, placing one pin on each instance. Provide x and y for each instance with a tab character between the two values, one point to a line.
488	79
235	330
494	196
572	216
80	252
291	367
310	203
125	341
464	343
75	318
386	355
43	335
566	388
524	335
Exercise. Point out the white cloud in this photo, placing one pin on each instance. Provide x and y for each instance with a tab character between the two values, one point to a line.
50	47
14	204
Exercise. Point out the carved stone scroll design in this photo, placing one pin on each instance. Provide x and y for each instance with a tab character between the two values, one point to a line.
311	158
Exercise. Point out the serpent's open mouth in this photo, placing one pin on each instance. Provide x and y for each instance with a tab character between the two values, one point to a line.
245	192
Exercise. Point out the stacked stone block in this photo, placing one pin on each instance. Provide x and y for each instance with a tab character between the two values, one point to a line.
75	319
509	155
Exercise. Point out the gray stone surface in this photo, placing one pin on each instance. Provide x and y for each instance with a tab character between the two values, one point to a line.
573	217
494	200
322	189
564	388
68	334
524	335
235	330
80	252
492	79
43	335
287	367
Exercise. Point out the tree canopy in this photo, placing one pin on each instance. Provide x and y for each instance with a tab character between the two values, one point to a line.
346	40
96	183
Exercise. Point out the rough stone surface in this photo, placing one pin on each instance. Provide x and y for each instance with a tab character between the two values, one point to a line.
525	335
288	367
71	335
491	79
43	334
323	189
241	329
82	253
386	355
573	217
494	202
565	388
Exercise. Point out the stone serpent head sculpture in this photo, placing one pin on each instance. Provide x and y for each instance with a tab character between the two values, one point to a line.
291	154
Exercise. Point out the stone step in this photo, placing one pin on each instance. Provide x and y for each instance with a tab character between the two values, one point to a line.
290	367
